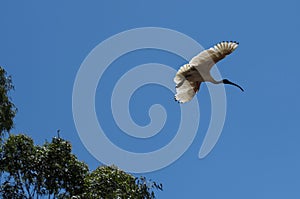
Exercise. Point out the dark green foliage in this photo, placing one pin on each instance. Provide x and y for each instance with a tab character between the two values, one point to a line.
111	182
18	160
64	173
31	171
7	108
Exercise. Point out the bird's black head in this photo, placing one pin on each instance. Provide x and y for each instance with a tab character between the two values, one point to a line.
226	81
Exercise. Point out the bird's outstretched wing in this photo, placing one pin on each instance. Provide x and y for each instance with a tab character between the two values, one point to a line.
207	58
189	77
188	82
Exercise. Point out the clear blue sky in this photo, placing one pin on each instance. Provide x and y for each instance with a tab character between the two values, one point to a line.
43	44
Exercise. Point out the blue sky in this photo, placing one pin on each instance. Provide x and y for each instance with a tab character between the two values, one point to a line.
42	45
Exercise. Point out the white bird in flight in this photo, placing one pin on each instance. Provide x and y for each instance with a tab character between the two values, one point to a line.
189	76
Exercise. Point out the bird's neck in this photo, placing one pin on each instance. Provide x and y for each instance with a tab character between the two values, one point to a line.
216	82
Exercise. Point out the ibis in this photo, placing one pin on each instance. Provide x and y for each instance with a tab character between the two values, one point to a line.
189	76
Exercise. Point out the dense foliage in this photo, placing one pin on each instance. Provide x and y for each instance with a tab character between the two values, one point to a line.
111	182
32	171
7	108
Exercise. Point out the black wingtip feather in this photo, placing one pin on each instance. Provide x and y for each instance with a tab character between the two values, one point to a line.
229	42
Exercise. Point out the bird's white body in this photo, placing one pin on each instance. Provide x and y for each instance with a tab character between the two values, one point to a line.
189	76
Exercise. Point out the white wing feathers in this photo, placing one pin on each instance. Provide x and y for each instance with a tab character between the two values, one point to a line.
209	57
185	92
188	78
186	83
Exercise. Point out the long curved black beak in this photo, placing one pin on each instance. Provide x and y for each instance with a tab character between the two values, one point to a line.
226	81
